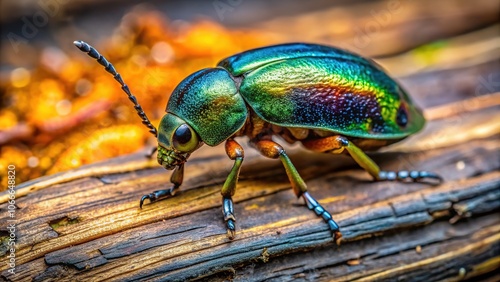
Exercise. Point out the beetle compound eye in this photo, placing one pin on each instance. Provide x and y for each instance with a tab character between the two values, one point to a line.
185	139
402	116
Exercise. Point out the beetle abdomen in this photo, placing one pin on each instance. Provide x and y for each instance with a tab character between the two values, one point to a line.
335	94
209	102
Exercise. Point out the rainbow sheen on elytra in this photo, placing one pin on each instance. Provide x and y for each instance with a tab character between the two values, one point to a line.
328	99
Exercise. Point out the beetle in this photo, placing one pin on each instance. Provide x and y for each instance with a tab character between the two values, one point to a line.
328	99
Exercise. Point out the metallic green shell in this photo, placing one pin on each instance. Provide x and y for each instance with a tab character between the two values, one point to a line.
209	102
299	85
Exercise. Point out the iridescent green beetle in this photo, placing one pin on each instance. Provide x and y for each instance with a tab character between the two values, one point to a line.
328	99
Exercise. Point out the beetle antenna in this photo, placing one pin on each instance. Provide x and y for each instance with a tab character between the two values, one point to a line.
92	52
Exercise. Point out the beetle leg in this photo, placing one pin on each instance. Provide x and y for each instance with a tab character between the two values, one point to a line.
337	144
273	150
235	152
175	179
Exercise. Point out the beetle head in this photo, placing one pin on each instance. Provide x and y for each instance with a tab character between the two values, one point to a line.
176	141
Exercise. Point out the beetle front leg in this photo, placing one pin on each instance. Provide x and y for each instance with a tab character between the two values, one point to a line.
273	150
336	144
235	152
176	179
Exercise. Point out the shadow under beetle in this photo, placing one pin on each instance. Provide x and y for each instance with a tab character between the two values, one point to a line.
329	99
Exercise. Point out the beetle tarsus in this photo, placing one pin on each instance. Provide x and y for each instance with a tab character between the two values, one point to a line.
313	205
156	195
404	175
228	212
145	197
271	149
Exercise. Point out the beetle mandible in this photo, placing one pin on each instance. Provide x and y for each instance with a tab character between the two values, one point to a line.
328	99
